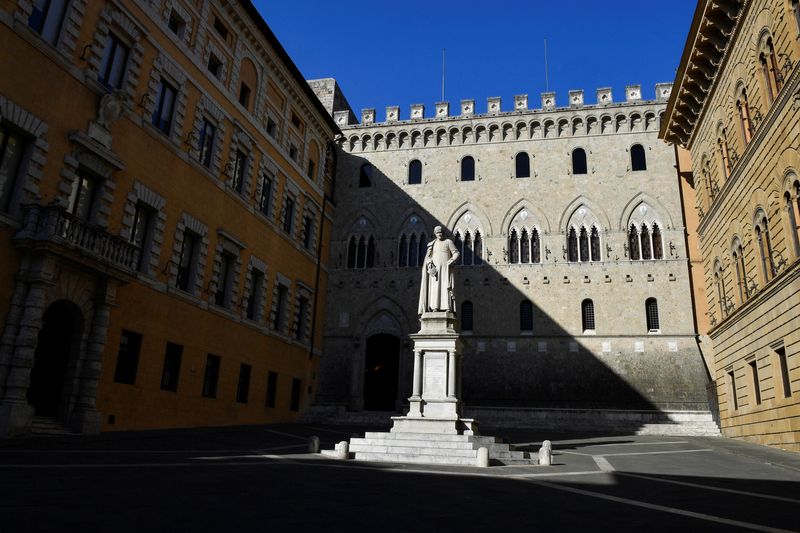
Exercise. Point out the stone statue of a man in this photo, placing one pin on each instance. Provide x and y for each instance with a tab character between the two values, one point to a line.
436	292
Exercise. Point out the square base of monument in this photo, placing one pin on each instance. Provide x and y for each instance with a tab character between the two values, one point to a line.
433	425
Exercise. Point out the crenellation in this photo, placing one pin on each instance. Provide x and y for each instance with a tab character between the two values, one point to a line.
576	98
663	91
548	101
467	107
368	116
633	93
392	113
417	111
493	105
604	96
442	109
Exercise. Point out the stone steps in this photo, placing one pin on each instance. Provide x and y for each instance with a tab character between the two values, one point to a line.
48	427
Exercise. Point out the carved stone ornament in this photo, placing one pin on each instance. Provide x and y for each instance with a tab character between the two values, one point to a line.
110	108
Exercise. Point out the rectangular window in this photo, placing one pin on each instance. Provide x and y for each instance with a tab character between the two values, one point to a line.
302	311
176	24
312	167
221	29
206	143
239	167
295	399
46	18
142	234
272	388
128	357
265	202
165	104
243	387
172	367
783	365
280	308
308	232
215	66
244	95
12	148
293	152
732	400
288	216
186	262
211	376
254	301
296	122
112	64
81	200
225	280
756	381
271	127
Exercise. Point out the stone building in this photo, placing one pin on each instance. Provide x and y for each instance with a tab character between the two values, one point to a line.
572	288
164	175
736	110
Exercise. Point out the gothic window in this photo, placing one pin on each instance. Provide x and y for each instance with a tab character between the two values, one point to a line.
370	252
741	279
770	73
513	248
587	316
423	249
638	158
361	253
525	248
719	281
536	256
477	248
651	311
594	239
743	109
413	251
584	245
572	246
365	175
633	243
523	165
415	172
722	143
764	247
793	217
579	161
645	237
467	254
466	316
468	169
526	316
457	242
351	253
402	253
658	244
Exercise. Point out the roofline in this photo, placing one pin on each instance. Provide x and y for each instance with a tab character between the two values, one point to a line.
284	56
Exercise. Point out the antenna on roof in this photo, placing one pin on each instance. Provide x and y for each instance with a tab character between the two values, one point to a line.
546	79
443	51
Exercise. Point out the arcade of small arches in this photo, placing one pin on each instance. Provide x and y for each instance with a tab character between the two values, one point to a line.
547	128
522	166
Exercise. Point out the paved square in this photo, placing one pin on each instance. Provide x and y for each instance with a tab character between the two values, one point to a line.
260	478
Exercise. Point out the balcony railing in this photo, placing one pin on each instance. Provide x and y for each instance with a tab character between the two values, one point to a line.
53	223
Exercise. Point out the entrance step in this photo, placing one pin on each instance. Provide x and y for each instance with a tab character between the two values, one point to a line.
43	427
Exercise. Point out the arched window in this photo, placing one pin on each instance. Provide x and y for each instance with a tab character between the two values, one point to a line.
477	248
459	244
584	245
651	311
402	252
415	172
792	218
466	315
770	73
467	255
371	253
719	281
633	243
638	159
523	165
361	254
594	241
765	248
513	248
743	108
587	316
525	316
524	248
468	169
645	237
658	244
351	253
413	251
572	246
579	161
365	175
423	249
741	279
536	254
722	142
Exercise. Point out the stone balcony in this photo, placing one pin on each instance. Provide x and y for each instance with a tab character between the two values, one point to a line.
54	229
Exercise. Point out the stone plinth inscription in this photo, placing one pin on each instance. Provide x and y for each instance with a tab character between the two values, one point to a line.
435	374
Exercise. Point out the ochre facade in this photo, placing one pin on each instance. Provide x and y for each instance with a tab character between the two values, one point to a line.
736	109
166	180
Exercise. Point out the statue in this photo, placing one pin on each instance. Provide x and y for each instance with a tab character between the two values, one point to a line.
436	291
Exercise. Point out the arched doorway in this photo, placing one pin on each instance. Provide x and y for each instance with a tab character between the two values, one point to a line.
59	341
381	372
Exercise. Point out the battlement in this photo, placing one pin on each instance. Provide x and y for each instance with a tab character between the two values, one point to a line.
468	109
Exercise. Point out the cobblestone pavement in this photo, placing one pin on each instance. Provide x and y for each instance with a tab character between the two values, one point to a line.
261	478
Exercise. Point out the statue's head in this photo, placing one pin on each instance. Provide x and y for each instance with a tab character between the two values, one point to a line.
439	232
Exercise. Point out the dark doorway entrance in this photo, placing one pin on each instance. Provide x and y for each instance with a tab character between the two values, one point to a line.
59	340
381	371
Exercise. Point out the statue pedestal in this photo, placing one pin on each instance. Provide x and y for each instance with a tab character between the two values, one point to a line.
434	405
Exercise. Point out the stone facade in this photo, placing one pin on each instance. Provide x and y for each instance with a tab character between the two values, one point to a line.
736	110
531	342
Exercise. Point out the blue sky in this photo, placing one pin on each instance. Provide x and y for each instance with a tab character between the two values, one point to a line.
390	53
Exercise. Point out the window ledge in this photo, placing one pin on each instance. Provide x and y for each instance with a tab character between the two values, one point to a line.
589	332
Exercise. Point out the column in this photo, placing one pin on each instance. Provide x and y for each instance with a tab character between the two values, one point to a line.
417	383
451	374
